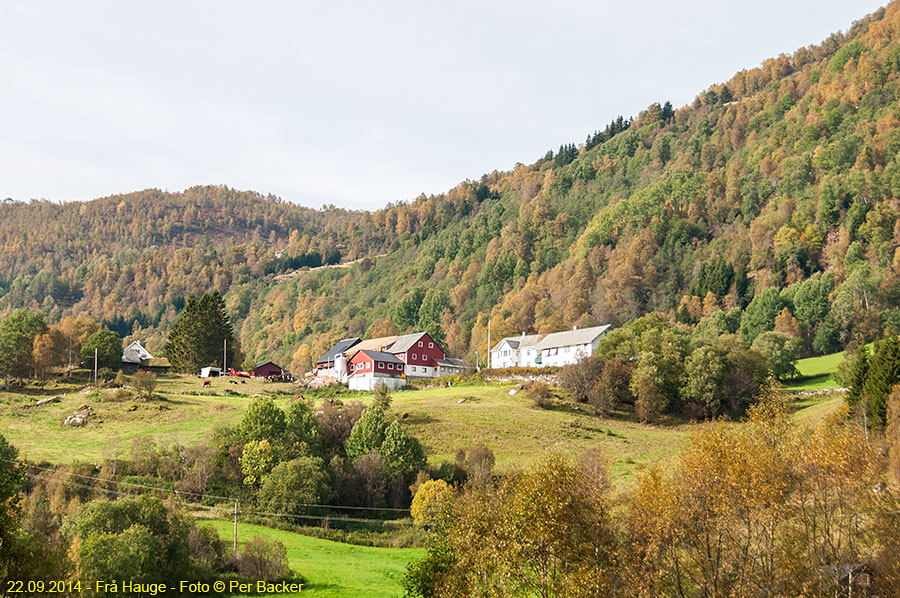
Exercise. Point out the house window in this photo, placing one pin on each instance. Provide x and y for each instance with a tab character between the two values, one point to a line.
413	355
413	368
390	366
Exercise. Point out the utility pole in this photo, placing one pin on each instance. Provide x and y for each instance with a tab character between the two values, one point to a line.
224	354
95	366
489	345
235	529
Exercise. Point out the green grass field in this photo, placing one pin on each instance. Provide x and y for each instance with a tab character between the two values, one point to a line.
817	372
331	569
444	419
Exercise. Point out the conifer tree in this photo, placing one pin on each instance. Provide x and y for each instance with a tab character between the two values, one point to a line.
883	375
198	336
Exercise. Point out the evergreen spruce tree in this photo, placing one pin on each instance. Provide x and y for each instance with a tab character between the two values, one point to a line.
883	375
197	337
854	374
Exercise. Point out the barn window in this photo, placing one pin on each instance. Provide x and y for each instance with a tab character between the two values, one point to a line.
413	355
431	345
390	366
420	344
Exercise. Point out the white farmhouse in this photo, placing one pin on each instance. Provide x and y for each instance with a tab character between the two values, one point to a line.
566	348
516	351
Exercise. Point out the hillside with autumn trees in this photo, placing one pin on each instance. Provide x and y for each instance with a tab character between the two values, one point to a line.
770	202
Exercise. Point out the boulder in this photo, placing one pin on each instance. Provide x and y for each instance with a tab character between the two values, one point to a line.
45	402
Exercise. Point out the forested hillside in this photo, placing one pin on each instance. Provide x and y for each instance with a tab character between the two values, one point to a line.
777	190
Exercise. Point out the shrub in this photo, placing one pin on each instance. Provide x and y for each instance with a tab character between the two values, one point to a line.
612	388
431	497
263	559
293	483
122	394
144	383
478	464
381	398
540	393
579	378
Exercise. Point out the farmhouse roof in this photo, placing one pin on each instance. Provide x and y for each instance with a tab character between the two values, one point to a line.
568	338
135	353
521	341
338	349
381	356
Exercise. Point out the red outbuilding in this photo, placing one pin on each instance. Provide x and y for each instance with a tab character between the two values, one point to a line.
266	369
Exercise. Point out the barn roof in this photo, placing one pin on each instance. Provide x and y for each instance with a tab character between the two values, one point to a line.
259	365
338	349
405	342
374	344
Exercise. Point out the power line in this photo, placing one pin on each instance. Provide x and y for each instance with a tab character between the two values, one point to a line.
200	494
220	510
298	516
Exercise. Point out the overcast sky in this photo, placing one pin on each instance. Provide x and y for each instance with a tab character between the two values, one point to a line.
351	103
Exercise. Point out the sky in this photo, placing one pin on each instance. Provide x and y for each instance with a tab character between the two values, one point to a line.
354	104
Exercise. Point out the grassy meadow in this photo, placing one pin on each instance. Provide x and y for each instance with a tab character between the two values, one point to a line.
444	419
817	373
332	569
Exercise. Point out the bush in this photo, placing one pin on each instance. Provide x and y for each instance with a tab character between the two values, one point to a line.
263	559
294	483
381	397
612	388
579	378
122	394
430	499
488	374
540	393
144	383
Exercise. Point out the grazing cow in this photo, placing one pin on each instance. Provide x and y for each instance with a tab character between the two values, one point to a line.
207	382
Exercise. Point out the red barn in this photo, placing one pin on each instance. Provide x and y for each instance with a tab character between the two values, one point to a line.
266	369
420	354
